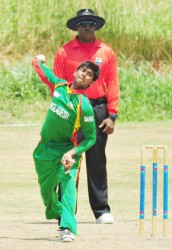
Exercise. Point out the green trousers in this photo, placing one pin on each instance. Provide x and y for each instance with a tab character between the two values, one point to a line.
51	173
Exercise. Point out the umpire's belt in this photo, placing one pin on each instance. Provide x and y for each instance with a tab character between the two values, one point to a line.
98	101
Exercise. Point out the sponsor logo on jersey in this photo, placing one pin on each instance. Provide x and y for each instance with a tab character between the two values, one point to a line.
70	105
88	118
59	111
98	61
56	93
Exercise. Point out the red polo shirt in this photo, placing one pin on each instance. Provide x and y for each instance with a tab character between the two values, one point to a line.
73	53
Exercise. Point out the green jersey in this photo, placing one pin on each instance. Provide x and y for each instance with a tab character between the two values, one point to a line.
67	114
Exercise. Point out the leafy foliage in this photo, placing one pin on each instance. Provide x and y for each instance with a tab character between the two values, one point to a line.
138	31
133	28
146	94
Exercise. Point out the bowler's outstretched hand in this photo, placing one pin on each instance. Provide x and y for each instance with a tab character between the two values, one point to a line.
41	58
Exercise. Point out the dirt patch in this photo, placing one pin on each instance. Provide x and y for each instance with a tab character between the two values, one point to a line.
22	221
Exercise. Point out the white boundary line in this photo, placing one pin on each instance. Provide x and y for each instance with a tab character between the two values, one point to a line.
20	125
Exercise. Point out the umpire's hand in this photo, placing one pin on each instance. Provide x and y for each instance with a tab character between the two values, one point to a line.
108	126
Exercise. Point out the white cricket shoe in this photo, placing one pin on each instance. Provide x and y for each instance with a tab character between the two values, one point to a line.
105	218
66	236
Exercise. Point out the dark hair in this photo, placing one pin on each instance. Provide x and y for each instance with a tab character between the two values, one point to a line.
92	66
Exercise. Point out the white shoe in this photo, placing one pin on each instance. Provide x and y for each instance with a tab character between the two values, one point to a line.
66	236
105	218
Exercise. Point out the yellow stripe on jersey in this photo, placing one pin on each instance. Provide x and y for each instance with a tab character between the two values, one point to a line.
77	124
58	85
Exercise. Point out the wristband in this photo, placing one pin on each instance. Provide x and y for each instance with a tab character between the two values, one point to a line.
113	117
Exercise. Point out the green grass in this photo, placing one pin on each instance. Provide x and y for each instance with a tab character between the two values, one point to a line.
132	27
139	32
146	94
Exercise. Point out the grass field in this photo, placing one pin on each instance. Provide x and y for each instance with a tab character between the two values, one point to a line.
140	34
22	221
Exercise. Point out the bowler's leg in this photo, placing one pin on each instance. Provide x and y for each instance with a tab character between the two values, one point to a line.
68	200
48	178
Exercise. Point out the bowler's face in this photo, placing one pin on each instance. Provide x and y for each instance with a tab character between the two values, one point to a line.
86	34
83	78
